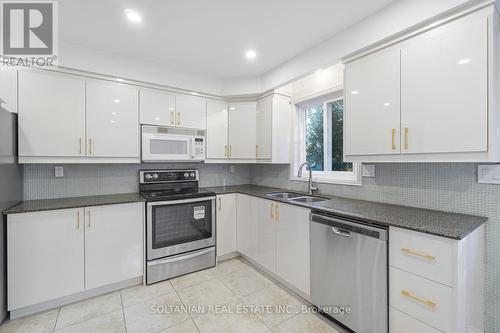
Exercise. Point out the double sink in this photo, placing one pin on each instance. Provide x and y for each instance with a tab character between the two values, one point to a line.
296	197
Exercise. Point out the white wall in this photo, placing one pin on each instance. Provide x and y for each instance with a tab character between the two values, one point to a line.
394	18
318	83
76	57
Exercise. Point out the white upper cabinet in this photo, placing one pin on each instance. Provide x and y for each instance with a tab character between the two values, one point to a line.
372	104
112	120
191	112
444	89
242	130
8	88
157	108
264	127
217	129
431	97
51	115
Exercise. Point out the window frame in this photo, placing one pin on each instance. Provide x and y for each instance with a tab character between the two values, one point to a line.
332	177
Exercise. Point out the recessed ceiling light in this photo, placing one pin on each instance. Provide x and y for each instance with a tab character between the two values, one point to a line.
133	16
250	54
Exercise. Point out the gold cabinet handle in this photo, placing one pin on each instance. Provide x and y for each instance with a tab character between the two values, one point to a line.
256	151
90	146
272	211
393	139
220	204
225	151
414	297
178	118
406	138
80	144
277	213
418	254
78	219
230	151
172	115
89	220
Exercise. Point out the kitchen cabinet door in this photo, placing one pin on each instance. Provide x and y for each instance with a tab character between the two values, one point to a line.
246	231
217	129
112	120
226	224
157	108
292	247
281	129
113	244
191	111
242	130
51	115
444	89
267	217
372	107
8	88
45	256
264	128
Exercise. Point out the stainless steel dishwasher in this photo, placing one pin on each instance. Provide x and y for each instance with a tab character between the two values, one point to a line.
349	272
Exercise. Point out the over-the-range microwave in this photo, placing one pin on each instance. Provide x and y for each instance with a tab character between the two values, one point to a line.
172	144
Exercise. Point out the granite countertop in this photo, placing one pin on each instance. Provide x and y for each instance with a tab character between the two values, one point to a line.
76	202
444	224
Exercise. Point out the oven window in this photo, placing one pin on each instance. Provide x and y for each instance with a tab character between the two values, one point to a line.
181	223
168	147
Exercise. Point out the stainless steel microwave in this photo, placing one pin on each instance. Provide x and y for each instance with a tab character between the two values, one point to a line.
161	144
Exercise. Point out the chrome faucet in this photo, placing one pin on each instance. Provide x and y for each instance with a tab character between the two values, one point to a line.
312	187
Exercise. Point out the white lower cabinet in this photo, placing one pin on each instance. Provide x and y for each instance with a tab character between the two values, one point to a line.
226	224
113	244
53	254
275	236
436	284
45	256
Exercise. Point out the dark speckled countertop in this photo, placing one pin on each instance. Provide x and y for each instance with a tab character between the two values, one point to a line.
449	225
77	202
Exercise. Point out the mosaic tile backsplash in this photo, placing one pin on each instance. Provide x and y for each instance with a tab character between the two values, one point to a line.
449	187
96	179
443	186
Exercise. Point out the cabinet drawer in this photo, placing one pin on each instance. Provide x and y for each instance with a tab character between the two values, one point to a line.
423	299
400	322
425	255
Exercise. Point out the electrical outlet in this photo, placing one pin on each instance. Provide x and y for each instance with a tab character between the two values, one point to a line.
233	168
59	171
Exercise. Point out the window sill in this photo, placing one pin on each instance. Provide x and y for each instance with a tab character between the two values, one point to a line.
337	181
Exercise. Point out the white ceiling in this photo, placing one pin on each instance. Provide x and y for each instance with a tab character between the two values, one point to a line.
210	37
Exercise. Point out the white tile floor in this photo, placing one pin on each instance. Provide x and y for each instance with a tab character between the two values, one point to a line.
230	293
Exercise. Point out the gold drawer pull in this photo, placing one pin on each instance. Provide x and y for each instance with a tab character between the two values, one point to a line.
272	211
178	118
406	138
220	204
256	151
225	151
277	213
78	219
418	254
408	294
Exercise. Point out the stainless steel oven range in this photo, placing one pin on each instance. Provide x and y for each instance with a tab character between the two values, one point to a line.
180	223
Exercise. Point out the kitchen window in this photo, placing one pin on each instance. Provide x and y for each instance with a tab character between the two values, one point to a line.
319	141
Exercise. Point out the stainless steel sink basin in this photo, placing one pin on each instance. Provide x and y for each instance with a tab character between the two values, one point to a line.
283	195
308	200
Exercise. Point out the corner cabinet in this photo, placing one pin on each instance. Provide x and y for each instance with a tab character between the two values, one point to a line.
276	237
432	97
63	253
65	118
256	132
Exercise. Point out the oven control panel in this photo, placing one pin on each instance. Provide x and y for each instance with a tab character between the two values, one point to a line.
164	176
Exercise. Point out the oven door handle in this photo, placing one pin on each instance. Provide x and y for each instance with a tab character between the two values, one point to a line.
175	202
180	257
